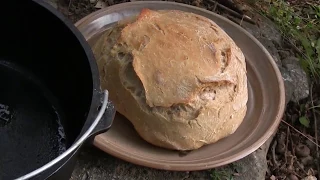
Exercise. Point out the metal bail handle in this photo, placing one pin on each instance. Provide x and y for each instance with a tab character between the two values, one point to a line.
75	145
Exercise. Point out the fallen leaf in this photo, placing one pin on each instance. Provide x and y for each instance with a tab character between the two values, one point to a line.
304	121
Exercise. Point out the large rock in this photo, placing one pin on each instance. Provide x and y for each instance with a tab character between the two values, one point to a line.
295	78
298	78
252	167
288	83
255	165
93	164
265	29
271	47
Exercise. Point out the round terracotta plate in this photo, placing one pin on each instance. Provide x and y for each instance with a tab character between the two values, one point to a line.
265	107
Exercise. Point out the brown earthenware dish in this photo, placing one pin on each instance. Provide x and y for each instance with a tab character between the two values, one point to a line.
265	106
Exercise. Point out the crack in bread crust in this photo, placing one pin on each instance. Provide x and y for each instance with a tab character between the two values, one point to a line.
156	61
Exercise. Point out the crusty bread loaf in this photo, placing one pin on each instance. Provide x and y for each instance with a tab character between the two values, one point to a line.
177	76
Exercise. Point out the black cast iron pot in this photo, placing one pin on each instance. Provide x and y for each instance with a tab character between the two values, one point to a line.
50	97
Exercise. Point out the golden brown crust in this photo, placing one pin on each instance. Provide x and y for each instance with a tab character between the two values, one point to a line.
170	57
177	76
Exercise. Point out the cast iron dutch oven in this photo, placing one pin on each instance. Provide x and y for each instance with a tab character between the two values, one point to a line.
50	100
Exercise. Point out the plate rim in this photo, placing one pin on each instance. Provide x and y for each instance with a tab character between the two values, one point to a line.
199	166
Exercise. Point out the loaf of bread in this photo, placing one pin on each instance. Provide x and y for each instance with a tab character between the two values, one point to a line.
176	76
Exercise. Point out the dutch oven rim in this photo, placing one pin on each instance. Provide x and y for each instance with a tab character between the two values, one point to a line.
98	95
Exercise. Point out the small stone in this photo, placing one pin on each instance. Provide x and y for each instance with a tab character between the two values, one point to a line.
290	168
236	174
292	177
309	178
301	167
100	4
295	137
311	145
307	160
302	150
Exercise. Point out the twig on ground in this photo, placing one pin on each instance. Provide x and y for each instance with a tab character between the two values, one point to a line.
315	129
286	149
215	6
297	175
313	107
286	171
300	133
301	167
273	150
241	20
292	145
291	162
232	12
69	5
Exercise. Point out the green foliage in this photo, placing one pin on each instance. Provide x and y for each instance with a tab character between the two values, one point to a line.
304	121
300	25
221	175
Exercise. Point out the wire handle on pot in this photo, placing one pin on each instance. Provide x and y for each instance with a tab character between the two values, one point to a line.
75	145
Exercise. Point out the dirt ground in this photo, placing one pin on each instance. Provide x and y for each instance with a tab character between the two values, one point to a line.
294	152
